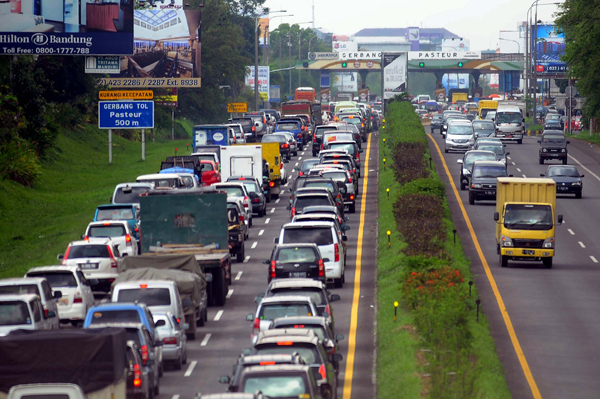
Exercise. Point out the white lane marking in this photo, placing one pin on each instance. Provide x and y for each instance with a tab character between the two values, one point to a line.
302	153
229	293
277	200
571	232
203	343
593	259
299	158
518	170
513	163
246	259
524	176
190	369
260	233
282	191
285	185
581	244
508	157
175	397
239	276
254	244
267	221
273	210
218	315
580	164
296	164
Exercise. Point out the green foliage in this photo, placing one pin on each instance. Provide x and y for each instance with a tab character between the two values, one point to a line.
429	186
18	162
422	83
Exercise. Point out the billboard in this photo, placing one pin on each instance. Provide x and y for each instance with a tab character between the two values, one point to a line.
275	93
263	26
456	80
167	49
80	27
263	80
549	46
458	44
346	81
344	46
395	72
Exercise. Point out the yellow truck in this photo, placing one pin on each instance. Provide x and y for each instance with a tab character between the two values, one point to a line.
485	106
525	214
458	97
272	157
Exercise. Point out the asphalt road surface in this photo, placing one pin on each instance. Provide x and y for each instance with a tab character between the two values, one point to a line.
227	332
554	312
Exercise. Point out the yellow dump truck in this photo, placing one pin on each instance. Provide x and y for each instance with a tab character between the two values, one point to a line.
525	214
486	106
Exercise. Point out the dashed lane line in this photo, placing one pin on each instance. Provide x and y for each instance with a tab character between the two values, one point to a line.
593	259
239	276
247	258
254	244
218	315
229	293
518	170
260	233
272	210
581	244
571	232
205	341
190	369
277	200
514	164
267	221
175	397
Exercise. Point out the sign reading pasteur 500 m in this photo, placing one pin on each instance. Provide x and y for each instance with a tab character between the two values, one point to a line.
237	107
126	95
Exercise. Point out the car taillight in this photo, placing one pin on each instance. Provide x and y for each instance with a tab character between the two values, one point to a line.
321	268
253	129
170	341
301	173
357	156
86	238
45	312
128	240
315	139
362	125
293	211
113	261
267	363
285	145
351	197
271	184
145	356
137	376
337	252
323	372
272	269
241	218
256	326
77	298
322	146
64	261
349	180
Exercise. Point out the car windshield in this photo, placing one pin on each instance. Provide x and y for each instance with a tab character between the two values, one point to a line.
287	126
115	316
20	289
321	130
307	353
354	121
57	279
106	231
528	217
14	313
232	191
251	187
319	184
482	125
490	115
315	235
553	138
207	157
471	158
550	117
461	130
304	201
274	138
277	386
489	171
308	164
496	149
272	311
115	214
88	251
352	128
296	255
508	117
566	171
149	296
313	293
342	146
129	195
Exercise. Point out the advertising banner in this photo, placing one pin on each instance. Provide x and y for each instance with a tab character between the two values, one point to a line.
263	24
325	79
167	49
263	80
102	64
169	99
548	48
81	27
395	73
346	81
360	55
344	46
456	81
275	93
323	56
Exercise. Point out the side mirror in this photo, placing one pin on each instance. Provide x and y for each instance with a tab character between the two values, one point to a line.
326	260
504	145
582	176
249	317
337	357
150	362
258	298
224	379
289	208
496	216
83	236
57	294
266	262
346	228
51	313
539	141
523	120
160	322
276	240
334	298
344	238
339	337
507	154
360	150
60	257
559	219
460	161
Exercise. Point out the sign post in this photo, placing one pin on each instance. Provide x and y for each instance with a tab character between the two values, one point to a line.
110	146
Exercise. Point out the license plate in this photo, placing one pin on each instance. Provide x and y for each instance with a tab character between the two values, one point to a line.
63	301
490	193
563	188
509	136
298	274
528	252
88	266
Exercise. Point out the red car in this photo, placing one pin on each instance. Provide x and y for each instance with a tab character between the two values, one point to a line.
576	123
210	173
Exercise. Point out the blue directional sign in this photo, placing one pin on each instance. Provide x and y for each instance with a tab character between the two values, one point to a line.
126	114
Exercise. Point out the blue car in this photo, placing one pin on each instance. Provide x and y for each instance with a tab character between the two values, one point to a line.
127	212
291	126
122	312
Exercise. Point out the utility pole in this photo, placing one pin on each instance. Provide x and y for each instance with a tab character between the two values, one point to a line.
300	57
256	63
280	56
534	43
526	72
290	58
265	47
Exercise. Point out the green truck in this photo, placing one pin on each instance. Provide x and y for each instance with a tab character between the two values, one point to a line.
192	222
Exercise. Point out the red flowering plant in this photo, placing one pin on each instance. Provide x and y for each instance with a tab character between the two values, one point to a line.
430	283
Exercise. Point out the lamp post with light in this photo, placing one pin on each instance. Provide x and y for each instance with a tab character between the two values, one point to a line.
263	12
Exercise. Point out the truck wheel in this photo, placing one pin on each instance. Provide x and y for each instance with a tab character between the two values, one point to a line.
503	261
520	141
541	161
352	208
219	288
268	197
241	254
191	335
177	364
200	321
338	282
471	199
564	161
462	185
250	223
157	389
547	262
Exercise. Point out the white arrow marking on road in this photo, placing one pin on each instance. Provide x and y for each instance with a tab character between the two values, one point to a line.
277	200
593	259
571	232
260	233
190	369
229	293
582	246
580	164
239	276
246	259
218	315
267	221
205	341
254	244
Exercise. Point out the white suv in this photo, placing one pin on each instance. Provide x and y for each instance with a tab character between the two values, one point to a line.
118	231
77	296
98	258
327	238
37	286
21	312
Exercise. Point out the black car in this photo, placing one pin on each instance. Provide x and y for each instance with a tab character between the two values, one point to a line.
318	137
248	127
436	123
484	180
352	149
304	200
553	145
336	189
484	128
255	192
137	380
553	122
467	162
307	165
284	146
296	261
567	178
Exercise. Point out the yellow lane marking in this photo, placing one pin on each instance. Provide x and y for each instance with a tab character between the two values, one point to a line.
355	300
509	326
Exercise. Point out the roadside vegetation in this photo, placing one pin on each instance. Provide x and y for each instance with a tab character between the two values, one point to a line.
584	135
436	348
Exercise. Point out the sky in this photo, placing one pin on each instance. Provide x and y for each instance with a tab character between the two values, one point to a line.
478	20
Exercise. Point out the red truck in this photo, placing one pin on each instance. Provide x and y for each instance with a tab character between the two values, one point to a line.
305	93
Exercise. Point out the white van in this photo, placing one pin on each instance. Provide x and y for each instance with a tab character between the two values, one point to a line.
160	296
22	312
510	123
37	286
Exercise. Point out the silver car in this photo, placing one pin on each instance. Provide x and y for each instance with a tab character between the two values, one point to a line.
172	334
292	142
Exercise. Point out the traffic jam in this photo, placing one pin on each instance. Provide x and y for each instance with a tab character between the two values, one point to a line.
128	301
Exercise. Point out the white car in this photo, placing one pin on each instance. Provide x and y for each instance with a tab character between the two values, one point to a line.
238	130
22	312
162	180
234	189
98	258
118	231
129	193
190	180
76	294
460	136
326	237
38	286
271	308
172	335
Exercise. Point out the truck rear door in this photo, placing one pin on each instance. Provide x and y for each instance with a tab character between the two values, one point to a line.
241	165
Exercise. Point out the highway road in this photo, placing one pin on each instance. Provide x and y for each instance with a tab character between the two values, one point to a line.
227	332
552	314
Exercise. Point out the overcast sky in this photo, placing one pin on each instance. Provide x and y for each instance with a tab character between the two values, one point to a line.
477	20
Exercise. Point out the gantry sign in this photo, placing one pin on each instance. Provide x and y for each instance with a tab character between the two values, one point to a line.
349	61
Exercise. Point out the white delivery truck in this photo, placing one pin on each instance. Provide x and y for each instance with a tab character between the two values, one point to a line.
242	161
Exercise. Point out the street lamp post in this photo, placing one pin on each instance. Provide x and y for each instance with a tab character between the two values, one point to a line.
256	55
267	47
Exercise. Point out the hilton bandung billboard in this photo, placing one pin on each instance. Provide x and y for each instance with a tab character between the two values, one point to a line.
82	27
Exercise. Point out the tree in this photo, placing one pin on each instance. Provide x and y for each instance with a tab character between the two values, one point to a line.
578	20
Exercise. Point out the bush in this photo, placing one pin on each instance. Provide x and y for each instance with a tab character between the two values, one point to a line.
429	186
409	163
18	162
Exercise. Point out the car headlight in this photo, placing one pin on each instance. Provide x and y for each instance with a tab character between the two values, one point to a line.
544	150
563	150
577	183
476	186
506	241
549	242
